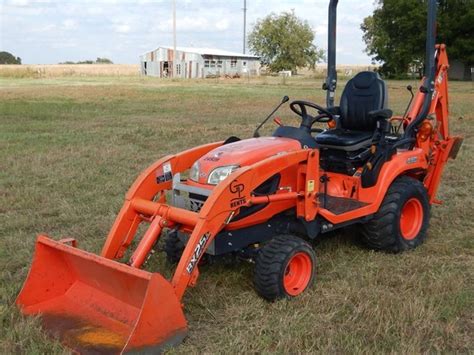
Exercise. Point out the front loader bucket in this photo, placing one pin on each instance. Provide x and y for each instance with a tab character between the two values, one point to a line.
97	305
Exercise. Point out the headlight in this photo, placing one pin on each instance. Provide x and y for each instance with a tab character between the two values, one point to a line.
219	174
194	172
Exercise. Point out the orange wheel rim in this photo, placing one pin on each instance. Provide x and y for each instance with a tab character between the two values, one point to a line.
411	219
297	274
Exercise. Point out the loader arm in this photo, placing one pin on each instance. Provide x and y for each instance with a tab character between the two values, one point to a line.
146	187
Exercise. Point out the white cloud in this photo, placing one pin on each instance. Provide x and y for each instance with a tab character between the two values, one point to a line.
63	44
95	10
222	24
321	30
186	23
46	28
69	24
28	3
146	2
122	28
18	2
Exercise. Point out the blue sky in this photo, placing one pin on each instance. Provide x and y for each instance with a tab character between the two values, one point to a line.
52	31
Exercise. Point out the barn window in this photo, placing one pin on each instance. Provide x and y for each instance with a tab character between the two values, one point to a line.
213	63
244	64
206	64
219	63
178	69
233	63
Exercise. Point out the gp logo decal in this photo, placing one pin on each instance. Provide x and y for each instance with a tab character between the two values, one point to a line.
237	188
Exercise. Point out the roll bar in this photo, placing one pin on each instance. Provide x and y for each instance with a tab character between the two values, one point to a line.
331	80
430	63
430	70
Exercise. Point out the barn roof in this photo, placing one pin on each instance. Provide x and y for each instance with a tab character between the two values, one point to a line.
211	51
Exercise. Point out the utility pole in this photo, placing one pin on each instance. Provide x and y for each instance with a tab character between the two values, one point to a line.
175	57
245	24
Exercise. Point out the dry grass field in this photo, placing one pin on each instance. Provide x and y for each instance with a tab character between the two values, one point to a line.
83	70
62	70
71	146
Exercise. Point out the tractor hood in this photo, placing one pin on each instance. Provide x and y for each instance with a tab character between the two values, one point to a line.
243	153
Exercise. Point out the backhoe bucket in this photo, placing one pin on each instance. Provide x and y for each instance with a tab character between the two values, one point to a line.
97	305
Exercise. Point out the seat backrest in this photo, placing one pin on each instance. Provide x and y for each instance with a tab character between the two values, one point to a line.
365	92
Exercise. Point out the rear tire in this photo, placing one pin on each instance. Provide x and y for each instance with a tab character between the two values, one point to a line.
285	267
402	220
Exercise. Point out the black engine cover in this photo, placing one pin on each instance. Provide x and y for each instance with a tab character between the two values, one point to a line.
340	161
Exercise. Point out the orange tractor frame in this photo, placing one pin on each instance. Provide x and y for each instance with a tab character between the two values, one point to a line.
262	199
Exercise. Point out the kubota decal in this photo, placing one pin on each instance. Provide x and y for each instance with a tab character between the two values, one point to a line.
237	188
164	173
215	157
440	78
197	252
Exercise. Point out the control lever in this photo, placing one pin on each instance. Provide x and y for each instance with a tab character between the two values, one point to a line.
278	121
410	89
283	100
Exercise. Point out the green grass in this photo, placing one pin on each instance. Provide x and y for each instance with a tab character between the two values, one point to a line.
71	147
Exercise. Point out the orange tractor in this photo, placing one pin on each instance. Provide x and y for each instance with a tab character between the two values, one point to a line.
264	199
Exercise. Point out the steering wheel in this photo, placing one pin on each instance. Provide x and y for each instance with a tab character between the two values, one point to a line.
300	108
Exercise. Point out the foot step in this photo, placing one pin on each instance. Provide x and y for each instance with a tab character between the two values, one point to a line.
339	205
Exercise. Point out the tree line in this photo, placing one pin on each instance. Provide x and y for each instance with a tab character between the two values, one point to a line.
8	58
97	61
394	35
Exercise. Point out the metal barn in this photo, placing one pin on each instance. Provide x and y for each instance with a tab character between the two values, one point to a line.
198	63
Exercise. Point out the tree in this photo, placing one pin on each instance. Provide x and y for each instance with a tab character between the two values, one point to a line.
396	32
8	58
97	61
284	42
103	61
457	28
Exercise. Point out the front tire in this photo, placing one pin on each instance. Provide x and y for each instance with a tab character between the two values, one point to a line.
173	247
402	220
285	267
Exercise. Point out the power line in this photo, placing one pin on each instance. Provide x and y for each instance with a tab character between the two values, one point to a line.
245	24
174	39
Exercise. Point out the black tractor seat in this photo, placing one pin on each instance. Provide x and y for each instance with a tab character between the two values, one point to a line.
363	104
344	139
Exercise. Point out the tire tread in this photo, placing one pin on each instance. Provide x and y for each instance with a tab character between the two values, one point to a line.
271	262
382	232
